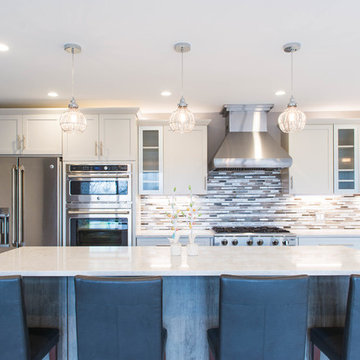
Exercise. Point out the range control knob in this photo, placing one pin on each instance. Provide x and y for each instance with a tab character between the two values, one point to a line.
275	242
260	242
249	242
235	242
106	168
224	242
285	242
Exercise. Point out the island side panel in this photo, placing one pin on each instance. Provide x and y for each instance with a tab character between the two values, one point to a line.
45	302
190	307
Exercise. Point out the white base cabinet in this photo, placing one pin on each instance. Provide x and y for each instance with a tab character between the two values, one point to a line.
164	241
350	241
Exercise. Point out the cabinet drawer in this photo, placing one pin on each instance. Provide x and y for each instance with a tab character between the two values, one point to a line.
164	241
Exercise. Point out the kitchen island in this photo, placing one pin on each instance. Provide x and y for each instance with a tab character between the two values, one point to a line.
191	284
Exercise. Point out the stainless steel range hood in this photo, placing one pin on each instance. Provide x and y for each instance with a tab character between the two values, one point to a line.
247	143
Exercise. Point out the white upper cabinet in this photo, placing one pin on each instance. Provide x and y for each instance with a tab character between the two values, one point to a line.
106	137
312	154
41	134
185	161
346	159
150	159
117	137
10	134
30	134
85	145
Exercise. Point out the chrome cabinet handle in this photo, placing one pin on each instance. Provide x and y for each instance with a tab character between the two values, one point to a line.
101	148
13	206
96	148
24	142
205	182
21	206
291	182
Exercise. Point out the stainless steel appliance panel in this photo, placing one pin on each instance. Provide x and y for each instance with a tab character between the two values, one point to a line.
98	227
8	191
38	201
87	185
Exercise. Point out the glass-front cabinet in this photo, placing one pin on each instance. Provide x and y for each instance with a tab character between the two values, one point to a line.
150	159
345	159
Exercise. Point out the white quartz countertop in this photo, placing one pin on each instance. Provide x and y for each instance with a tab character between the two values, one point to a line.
328	232
211	261
168	233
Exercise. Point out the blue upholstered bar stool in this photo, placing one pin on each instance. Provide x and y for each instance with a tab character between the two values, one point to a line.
17	341
261	319
119	318
341	343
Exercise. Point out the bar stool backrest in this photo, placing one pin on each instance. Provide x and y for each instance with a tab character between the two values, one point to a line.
14	337
352	323
118	318
263	318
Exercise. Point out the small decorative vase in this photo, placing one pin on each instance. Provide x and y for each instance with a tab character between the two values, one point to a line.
175	248
192	248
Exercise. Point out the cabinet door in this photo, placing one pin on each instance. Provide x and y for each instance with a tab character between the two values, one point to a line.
151	160
312	152
41	134
185	161
346	159
85	145
10	133
117	137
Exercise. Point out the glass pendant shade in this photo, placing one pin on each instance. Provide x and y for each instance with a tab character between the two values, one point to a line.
182	119
292	119
73	119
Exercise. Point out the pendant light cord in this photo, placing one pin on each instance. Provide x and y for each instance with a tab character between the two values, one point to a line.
292	74
182	72
72	73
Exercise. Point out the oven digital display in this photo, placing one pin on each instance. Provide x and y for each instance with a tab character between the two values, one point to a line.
99	187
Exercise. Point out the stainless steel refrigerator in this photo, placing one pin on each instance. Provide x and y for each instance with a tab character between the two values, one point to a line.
30	201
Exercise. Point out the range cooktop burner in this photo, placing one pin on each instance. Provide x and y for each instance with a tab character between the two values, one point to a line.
249	229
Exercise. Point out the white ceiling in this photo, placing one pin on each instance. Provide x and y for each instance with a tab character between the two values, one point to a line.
128	56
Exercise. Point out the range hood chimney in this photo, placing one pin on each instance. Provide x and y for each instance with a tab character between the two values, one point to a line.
247	143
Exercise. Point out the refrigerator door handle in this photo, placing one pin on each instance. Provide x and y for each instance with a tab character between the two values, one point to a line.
21	206
14	240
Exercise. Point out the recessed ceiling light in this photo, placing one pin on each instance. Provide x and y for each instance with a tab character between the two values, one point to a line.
53	94
4	47
280	93
165	93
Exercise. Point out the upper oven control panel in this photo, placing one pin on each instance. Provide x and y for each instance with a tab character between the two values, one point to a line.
97	168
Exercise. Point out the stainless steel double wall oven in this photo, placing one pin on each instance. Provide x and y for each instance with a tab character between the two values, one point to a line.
98	205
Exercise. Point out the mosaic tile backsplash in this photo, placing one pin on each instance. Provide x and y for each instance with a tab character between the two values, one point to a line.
255	198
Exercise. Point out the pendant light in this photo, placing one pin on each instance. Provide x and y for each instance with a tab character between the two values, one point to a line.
72	119
182	119
292	119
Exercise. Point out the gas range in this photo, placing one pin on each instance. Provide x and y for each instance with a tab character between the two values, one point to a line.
253	236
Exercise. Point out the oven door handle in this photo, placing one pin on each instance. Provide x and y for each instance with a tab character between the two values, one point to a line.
98	176
84	212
